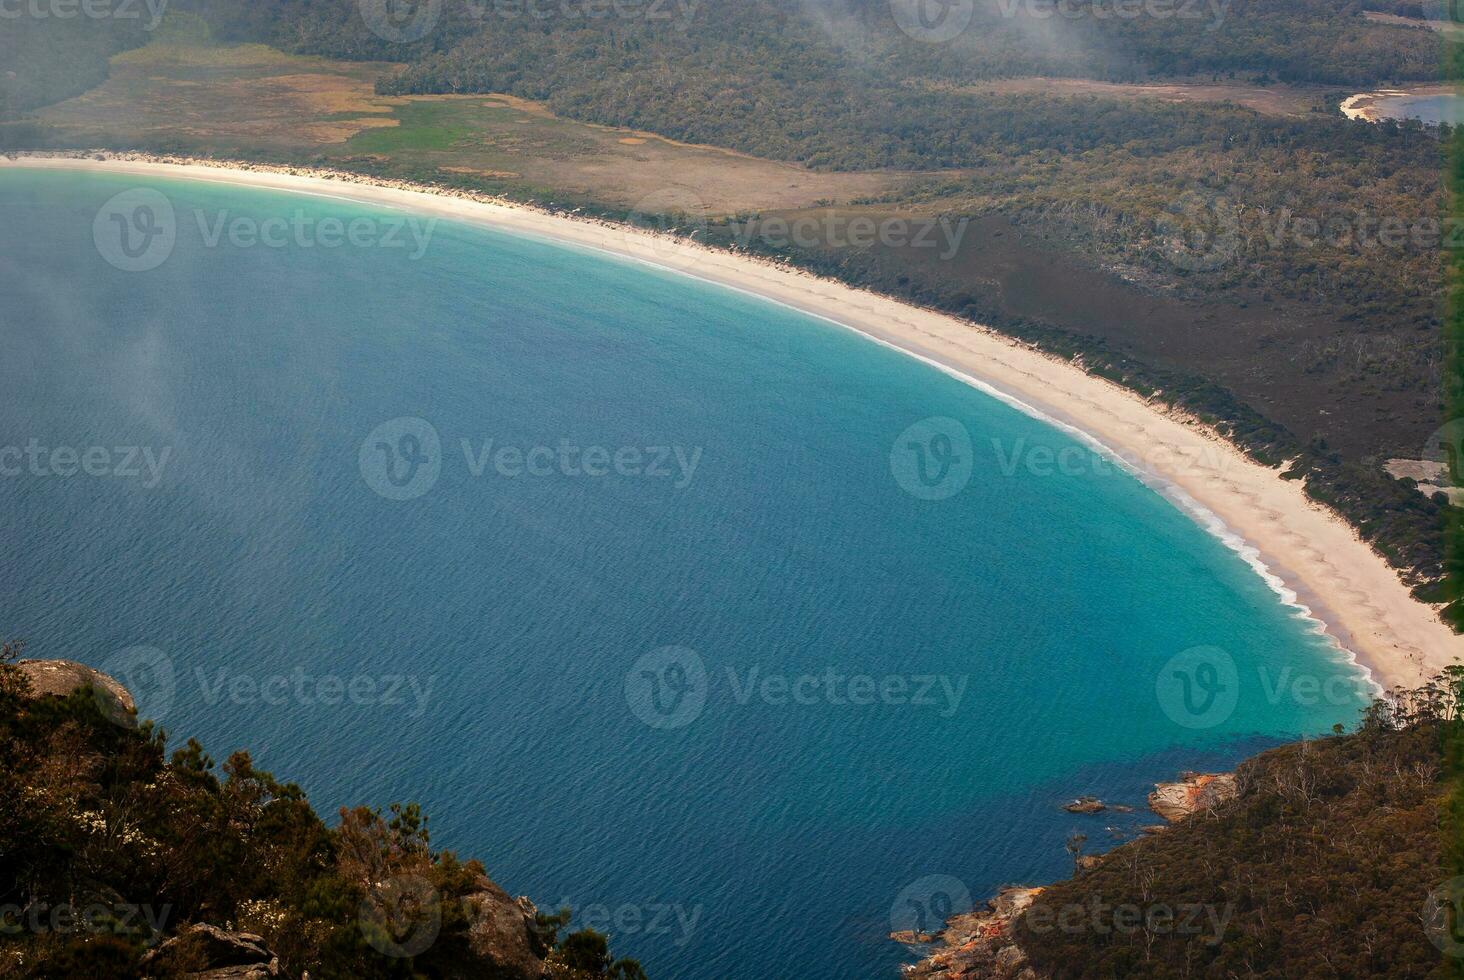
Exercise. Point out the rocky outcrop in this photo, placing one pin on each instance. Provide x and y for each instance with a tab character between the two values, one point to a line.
471	928
1194	792
978	944
504	931
205	952
59	678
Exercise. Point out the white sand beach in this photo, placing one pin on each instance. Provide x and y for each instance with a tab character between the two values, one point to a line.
1308	552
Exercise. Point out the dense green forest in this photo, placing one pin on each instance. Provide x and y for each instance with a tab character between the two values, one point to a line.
110	847
731	72
835	83
44	61
1451	589
775	42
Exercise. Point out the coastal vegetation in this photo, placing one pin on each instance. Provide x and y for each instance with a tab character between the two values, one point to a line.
45	61
1322	863
1452	587
1321	858
121	859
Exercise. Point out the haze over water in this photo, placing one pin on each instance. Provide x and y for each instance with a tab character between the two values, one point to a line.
378	617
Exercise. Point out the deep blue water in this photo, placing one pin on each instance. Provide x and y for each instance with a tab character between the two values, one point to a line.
786	831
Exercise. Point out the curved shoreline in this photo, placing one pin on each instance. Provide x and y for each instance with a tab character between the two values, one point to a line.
1368	106
1314	561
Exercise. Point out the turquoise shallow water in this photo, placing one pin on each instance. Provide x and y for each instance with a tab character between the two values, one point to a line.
736	834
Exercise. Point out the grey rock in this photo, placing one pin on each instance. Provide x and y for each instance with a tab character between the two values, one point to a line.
59	678
206	952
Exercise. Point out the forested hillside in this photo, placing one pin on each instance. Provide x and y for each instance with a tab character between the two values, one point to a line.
772	43
119	859
836	83
46	60
1327	862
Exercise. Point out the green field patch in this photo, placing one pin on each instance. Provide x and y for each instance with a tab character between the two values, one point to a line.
425	126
